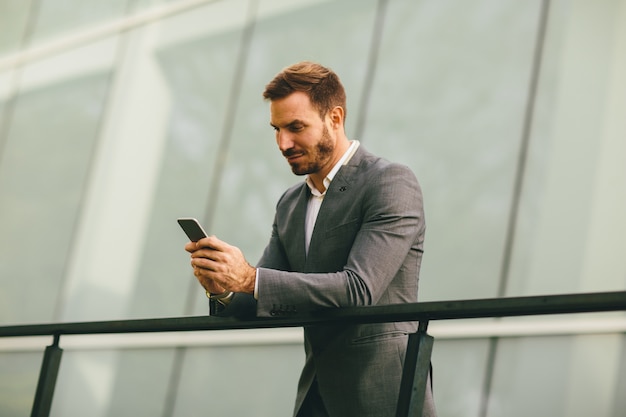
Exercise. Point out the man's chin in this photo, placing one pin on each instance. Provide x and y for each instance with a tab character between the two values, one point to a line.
298	169
298	172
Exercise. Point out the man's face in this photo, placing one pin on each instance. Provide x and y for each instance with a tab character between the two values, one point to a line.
302	135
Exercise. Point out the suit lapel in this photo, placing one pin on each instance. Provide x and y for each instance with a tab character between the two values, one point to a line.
338	194
296	223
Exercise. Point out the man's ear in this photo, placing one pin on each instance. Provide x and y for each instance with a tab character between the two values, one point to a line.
336	115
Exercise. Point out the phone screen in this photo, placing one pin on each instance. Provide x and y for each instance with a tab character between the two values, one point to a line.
192	228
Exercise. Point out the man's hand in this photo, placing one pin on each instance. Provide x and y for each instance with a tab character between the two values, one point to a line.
221	267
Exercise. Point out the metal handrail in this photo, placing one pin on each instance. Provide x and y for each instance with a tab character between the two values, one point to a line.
418	352
421	311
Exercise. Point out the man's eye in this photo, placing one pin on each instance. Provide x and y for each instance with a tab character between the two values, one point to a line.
296	128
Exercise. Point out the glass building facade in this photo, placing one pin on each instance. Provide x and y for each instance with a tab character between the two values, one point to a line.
119	116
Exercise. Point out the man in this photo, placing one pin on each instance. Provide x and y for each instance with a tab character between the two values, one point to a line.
351	234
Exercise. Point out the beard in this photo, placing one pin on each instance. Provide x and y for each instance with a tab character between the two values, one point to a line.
320	155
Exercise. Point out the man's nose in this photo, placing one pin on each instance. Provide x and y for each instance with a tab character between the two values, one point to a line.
284	141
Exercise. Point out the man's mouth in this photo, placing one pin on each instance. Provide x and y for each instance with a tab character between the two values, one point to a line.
293	156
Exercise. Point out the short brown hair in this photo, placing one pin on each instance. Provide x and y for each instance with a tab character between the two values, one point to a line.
321	84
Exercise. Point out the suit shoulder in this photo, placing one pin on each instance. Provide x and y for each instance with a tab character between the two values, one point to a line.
377	165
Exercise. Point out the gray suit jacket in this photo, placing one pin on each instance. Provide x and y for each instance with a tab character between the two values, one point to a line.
366	249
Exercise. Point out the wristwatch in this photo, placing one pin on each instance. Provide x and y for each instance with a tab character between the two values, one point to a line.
219	297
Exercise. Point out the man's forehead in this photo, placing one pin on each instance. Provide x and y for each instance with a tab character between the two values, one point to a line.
292	109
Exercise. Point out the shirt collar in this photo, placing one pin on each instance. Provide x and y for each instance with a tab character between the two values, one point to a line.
354	144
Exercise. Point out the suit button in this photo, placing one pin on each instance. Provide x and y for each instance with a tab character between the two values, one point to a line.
274	311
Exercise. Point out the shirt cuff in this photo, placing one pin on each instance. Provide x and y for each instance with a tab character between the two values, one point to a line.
256	285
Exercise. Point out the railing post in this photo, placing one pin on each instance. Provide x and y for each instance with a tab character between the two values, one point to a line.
415	373
47	379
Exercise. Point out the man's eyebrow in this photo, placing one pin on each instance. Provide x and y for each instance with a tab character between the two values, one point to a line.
295	122
290	124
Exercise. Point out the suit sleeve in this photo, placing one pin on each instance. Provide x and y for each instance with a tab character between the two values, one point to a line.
389	239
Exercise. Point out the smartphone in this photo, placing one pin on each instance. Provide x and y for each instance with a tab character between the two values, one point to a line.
192	228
